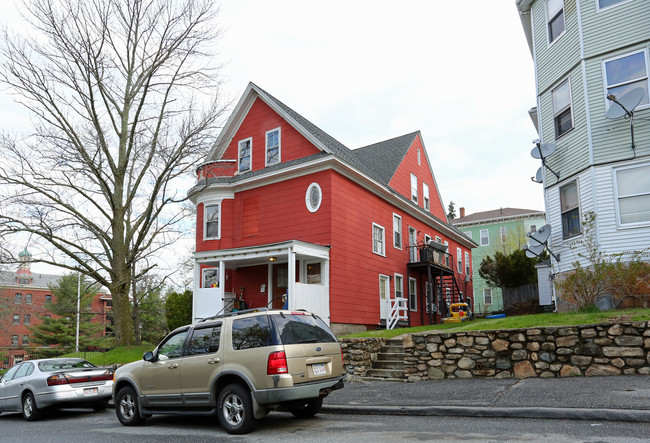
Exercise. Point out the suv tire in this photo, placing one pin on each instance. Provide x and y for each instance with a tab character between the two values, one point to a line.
306	409
235	409
126	407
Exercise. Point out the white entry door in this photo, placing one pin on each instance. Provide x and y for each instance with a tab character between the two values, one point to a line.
384	295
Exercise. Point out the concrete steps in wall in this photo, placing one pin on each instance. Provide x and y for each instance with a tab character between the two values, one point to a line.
389	364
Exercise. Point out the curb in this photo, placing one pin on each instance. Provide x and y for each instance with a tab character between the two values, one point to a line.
631	415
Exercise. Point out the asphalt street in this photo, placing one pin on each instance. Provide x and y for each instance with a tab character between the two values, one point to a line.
625	398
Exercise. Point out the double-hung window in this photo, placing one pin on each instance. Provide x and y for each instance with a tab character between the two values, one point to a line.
16	319
633	194
211	221
397	231
627	72
425	196
459	260
244	154
414	188
378	240
273	147
487	296
468	271
555	16
18	299
27	319
485	237
562	118
504	234
399	286
413	294
570	209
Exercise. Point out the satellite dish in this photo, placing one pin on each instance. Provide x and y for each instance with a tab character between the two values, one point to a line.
538	176
533	251
546	150
624	105
542	234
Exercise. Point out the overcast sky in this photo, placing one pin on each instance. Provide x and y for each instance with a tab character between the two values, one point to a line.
366	71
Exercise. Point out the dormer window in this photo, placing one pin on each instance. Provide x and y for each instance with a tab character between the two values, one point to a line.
244	159
273	147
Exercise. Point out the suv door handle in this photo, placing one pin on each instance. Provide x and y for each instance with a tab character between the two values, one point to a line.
174	366
213	361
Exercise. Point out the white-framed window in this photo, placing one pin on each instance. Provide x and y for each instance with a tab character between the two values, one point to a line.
273	146
425	196
633	194
414	188
211	221
313	197
468	270
14	341
570	209
419	162
562	117
397	231
413	241
487	296
399	285
485	237
533	229
313	273
427	239
413	294
16	319
447	254
245	154
459	260
210	277
555	19
25	339
378	239
468	234
504	234
606	4
627	72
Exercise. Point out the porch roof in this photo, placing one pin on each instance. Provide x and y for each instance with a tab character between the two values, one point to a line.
262	254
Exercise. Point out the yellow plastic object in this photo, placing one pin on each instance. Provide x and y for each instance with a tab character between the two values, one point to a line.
459	313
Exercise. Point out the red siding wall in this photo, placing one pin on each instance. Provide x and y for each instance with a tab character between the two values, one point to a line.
401	181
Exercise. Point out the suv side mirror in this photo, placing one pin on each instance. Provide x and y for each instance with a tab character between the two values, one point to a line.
148	356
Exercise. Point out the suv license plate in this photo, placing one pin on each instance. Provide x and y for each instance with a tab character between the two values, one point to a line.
319	369
90	391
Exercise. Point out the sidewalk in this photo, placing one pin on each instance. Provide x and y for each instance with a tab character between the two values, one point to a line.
624	398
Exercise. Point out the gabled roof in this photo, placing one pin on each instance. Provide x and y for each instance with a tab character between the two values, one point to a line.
384	158
39	280
496	214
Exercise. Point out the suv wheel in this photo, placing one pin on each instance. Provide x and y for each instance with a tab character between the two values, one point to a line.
235	409
126	407
30	411
306	409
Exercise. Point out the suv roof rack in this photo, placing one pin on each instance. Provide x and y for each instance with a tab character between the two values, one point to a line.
232	314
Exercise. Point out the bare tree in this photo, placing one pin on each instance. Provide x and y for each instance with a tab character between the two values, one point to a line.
124	98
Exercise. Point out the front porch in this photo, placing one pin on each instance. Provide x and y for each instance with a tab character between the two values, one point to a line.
292	275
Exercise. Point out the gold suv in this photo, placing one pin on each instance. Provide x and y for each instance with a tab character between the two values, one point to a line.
239	366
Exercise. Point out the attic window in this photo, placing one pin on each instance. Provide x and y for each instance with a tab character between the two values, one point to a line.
414	188
244	158
419	164
273	147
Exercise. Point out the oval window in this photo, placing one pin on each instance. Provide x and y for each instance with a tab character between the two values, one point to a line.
314	197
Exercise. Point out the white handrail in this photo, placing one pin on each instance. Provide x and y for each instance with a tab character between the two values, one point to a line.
398	310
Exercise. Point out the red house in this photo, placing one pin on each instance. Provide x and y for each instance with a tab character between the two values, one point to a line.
288	216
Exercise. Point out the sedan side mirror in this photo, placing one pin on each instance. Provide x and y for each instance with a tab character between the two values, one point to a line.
148	356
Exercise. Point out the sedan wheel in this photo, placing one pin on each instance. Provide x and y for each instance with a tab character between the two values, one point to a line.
30	410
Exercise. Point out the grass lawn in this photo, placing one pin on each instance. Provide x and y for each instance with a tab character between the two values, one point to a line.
125	354
521	321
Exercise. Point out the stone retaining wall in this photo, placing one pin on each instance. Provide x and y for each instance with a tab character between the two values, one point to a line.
601	349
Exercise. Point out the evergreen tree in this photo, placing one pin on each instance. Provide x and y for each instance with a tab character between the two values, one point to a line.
451	211
178	309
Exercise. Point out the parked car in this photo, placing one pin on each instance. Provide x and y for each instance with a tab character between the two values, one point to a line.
238	366
34	385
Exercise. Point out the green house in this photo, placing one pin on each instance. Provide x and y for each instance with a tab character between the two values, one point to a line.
502	229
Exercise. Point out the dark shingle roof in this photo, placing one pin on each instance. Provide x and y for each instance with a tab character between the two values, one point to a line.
495	214
385	157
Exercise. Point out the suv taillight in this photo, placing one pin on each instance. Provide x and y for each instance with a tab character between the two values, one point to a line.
277	363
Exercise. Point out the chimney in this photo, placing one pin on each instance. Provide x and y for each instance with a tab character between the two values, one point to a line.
462	212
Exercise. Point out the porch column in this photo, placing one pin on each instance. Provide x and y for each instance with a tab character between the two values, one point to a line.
291	285
196	285
221	304
269	284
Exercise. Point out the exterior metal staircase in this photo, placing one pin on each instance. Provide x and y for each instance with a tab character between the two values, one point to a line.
389	364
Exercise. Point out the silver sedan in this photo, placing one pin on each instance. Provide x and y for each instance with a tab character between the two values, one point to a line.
34	385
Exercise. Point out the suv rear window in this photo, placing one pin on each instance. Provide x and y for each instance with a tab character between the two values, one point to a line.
252	332
294	329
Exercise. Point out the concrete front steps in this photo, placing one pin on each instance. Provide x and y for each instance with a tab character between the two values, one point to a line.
389	365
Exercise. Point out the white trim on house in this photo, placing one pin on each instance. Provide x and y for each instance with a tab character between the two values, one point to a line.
459	260
612	6
425	197
310	206
205	220
381	252
248	140
618	197
550	42
563	109
629	53
413	294
487	292
486	237
399	293
414	188
398	241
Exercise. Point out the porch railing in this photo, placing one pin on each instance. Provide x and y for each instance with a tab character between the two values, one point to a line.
397	310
